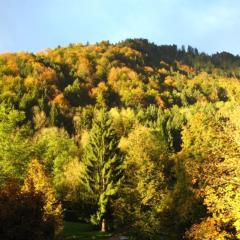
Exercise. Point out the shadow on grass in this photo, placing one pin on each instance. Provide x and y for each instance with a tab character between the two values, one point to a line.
83	231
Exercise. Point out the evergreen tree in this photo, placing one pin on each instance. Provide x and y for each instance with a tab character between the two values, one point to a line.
103	166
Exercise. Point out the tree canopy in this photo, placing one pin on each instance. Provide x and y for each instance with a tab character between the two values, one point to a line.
134	137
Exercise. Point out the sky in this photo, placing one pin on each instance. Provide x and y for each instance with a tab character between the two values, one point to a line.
33	25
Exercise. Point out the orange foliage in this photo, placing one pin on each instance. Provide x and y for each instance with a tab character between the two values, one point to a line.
163	71
148	69
208	229
60	100
159	102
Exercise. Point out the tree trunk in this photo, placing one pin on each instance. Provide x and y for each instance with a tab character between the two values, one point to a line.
103	225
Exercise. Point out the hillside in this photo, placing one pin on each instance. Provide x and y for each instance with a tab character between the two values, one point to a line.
132	137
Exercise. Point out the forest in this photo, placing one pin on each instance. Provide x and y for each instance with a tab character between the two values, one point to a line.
132	137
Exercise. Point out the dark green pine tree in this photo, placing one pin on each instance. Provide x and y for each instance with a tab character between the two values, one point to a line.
104	166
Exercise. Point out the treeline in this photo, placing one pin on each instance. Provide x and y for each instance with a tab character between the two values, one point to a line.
226	63
132	137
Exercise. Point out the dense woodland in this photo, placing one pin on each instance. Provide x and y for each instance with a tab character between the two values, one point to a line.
132	137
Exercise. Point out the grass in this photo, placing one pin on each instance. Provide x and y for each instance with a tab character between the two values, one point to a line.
82	231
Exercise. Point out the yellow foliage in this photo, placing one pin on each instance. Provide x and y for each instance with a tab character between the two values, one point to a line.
169	81
37	181
99	90
84	68
84	138
163	71
72	173
122	77
143	161
30	82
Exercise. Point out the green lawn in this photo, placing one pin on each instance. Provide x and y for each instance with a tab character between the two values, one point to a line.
82	231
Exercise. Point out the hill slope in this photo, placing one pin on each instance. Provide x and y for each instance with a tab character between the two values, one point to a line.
133	136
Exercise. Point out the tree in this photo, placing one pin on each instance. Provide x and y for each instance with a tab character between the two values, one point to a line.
37	181
144	194
212	153
56	149
77	94
103	166
21	213
15	149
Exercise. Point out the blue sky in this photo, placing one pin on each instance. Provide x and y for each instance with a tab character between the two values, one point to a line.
33	25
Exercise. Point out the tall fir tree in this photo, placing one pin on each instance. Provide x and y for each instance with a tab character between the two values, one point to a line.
104	166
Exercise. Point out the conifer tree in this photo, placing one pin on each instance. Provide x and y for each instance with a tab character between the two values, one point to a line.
103	166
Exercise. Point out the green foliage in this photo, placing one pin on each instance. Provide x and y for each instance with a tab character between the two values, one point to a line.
145	192
161	160
77	95
15	149
56	150
103	165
